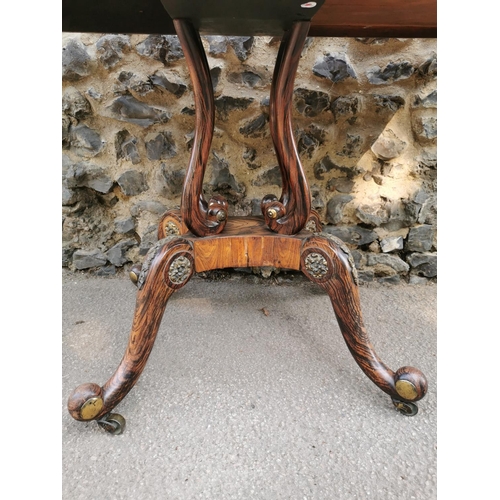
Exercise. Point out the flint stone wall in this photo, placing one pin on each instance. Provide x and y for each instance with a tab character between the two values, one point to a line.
365	126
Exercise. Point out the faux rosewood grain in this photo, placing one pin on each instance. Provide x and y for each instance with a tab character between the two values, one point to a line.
150	306
295	196
195	211
344	296
151	301
247	242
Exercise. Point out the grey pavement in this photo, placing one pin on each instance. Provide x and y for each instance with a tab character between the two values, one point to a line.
250	393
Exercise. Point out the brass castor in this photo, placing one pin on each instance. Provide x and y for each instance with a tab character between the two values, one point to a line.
134	273
406	408
113	423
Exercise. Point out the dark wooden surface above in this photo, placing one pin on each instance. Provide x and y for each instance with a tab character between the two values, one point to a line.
342	18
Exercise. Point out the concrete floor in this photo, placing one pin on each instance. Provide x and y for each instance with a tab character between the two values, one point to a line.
235	403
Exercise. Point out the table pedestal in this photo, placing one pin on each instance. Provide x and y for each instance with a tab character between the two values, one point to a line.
201	237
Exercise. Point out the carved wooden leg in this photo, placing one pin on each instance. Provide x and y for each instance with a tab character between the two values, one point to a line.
167	267
200	217
326	260
289	214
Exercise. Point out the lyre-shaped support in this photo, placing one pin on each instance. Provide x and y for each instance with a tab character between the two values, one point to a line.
290	213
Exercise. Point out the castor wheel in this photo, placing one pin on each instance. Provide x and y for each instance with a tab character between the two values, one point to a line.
113	423
406	408
134	273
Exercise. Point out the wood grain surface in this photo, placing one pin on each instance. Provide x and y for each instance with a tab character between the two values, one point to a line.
246	242
292	210
201	237
340	285
200	217
150	306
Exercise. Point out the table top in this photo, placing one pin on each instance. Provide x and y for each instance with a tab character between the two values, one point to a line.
335	18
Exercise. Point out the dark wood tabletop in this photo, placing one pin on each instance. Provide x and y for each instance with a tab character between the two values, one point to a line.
336	18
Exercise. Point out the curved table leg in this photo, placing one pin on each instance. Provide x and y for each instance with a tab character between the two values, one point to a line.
325	260
168	266
289	214
201	217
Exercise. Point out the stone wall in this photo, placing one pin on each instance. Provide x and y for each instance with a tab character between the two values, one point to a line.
366	130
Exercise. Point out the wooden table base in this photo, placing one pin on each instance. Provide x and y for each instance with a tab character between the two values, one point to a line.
201	237
246	242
